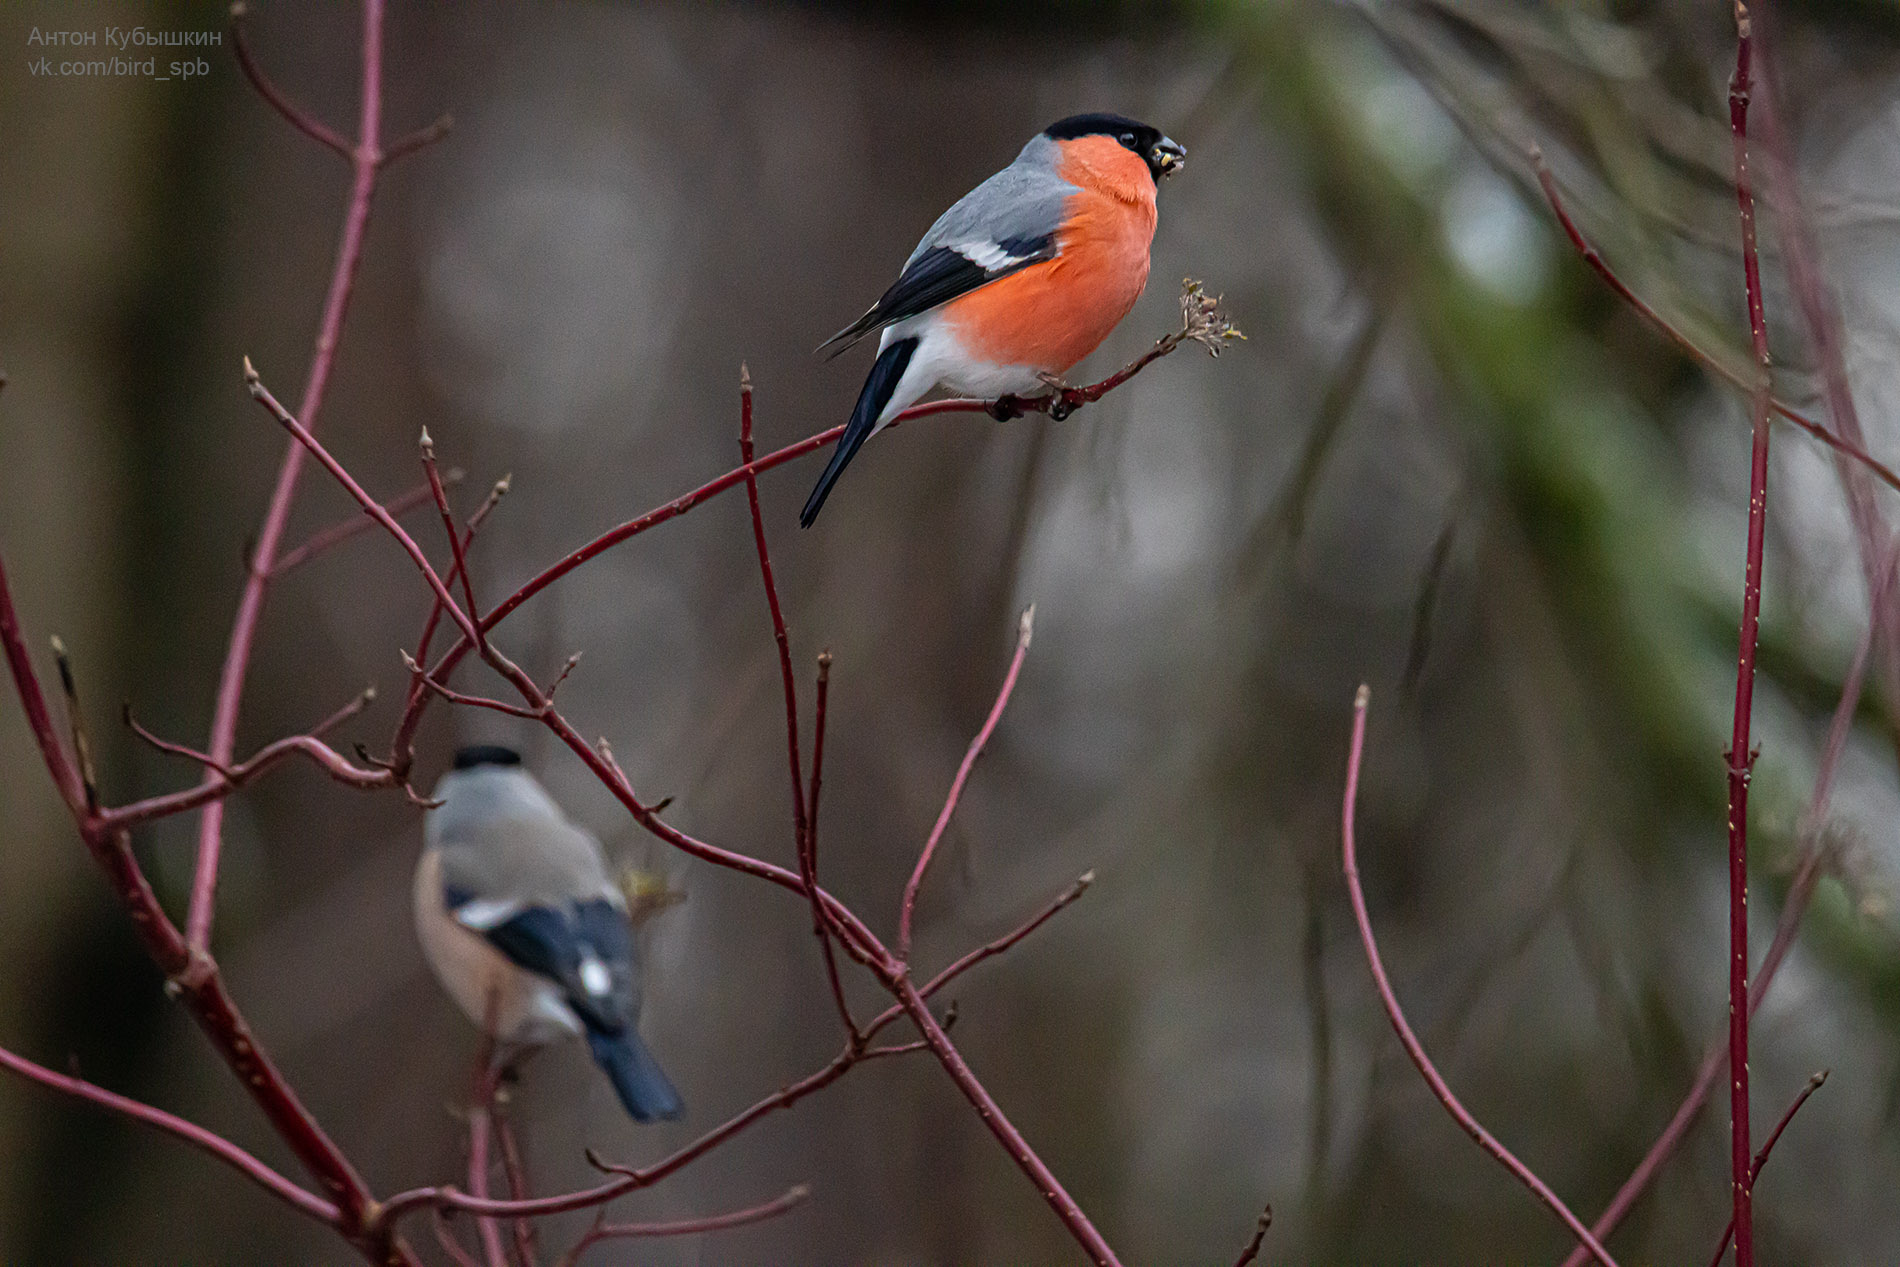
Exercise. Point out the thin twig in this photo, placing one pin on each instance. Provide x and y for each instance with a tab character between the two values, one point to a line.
1741	760
1761	1158
365	158
803	839
992	949
76	727
1252	1249
820	924
297	117
336	534
205	1141
39	719
446	1239
1807	872
487	1229
793	1196
302	435
1592	257
454	534
470	701
517	1172
1025	630
1413	1048
420	139
402	745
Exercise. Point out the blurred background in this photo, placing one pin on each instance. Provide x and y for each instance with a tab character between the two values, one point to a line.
1447	462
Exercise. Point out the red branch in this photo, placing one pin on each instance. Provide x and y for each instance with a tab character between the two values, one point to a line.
804	838
480	1128
1025	629
821	924
1761	1158
1413	1048
1820	312
456	546
365	159
327	539
295	115
1700	355
1251	1250
629	1179
1741	760
1813	855
197	1136
792	1197
26	684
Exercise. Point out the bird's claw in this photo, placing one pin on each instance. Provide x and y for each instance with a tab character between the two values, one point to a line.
1004	408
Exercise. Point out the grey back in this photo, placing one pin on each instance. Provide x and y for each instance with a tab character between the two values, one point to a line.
502	835
1024	200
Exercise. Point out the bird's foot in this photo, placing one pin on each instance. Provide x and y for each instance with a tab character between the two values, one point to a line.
1003	408
1063	399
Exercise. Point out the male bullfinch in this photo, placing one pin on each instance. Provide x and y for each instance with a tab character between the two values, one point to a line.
1022	278
523	924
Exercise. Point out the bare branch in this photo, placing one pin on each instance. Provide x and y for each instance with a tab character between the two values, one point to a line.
76	727
1761	1158
793	1196
336	534
1025	629
1252	1249
422	138
1741	757
1413	1048
453	533
295	115
205	1141
1700	355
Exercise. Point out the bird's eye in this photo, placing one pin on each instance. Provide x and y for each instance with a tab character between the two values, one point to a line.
1128	139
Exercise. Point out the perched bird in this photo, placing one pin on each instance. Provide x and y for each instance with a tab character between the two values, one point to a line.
526	928
1022	278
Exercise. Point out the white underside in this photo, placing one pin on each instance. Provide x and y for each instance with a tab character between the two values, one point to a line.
940	361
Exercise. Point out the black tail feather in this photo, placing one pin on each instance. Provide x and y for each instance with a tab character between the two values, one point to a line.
878	389
637	1077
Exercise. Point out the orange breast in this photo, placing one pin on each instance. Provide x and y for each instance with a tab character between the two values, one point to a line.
1051	315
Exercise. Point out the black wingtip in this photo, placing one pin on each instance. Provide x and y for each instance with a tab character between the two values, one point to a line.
847	338
879	387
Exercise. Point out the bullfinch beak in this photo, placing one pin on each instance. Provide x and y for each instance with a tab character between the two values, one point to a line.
1167	157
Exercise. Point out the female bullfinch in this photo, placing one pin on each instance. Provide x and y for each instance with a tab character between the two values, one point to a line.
1022	278
526	929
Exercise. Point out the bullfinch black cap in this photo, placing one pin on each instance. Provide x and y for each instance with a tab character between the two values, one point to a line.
1159	152
485	754
1078	125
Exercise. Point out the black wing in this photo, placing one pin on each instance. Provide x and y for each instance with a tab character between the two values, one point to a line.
556	944
942	273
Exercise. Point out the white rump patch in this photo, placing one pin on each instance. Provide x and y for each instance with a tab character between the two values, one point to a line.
484	914
595	979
